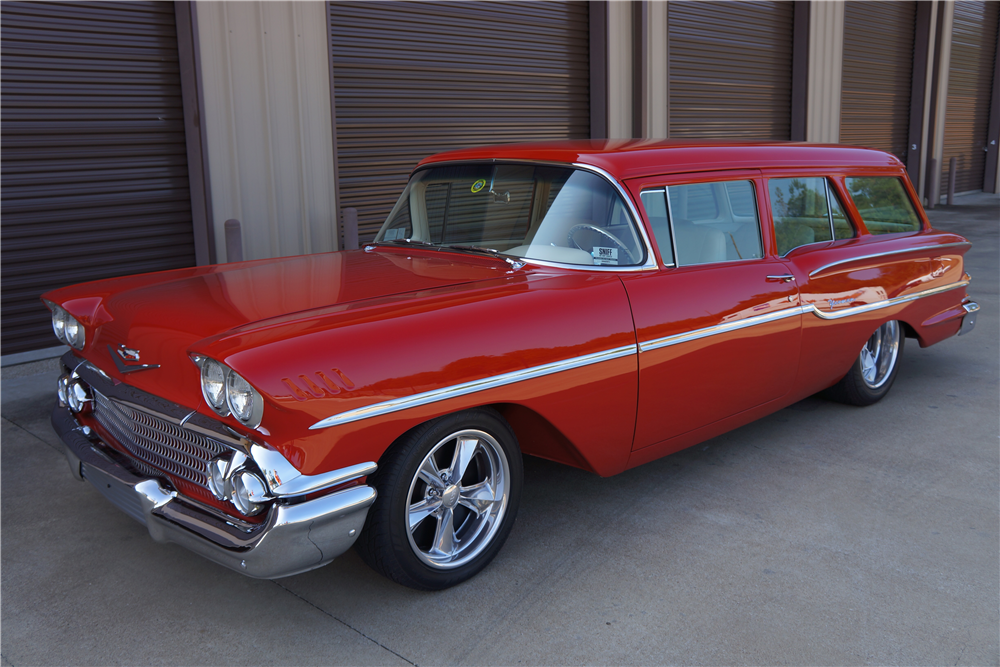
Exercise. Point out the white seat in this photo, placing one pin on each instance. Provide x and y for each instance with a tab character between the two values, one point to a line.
698	244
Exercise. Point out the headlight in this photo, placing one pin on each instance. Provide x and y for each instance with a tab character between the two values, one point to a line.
66	328
213	385
228	393
240	396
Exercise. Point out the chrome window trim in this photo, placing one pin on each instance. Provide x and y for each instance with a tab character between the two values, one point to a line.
650	263
889	253
829	209
670	228
454	391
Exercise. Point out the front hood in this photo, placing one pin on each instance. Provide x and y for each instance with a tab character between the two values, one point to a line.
161	315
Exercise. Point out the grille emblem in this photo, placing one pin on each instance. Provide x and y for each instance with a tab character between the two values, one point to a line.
128	354
125	354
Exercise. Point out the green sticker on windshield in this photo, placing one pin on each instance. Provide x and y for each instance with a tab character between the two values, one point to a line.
479	185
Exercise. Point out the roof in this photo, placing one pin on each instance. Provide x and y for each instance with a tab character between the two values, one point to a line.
629	158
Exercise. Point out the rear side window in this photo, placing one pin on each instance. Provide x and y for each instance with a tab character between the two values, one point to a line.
883	204
709	222
805	210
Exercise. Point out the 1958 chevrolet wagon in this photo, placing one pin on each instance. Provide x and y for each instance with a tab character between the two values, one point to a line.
599	304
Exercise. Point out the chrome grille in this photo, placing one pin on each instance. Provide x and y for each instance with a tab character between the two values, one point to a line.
157	446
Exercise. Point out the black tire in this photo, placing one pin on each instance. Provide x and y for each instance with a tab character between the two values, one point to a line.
477	518
871	378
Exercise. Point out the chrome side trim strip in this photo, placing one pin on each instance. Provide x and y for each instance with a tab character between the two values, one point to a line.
887	254
878	305
667	341
657	343
395	405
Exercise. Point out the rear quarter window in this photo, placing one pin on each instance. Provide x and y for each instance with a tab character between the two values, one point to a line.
883	204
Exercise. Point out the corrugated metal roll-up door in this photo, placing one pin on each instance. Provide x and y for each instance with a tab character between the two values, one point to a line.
877	75
970	83
94	172
730	69
415	78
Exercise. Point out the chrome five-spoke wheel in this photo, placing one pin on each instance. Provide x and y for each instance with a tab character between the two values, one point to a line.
874	368
448	493
878	356
457	499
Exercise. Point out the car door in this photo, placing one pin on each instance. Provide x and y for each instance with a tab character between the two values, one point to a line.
718	324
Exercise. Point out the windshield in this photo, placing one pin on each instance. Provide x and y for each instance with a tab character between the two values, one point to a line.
555	214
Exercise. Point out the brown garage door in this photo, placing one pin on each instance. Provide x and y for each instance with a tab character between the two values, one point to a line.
730	69
970	82
878	73
94	171
413	78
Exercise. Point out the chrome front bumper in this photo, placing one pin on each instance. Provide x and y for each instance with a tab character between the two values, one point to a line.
293	538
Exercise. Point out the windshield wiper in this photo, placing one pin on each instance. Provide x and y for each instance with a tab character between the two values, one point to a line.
404	242
474	248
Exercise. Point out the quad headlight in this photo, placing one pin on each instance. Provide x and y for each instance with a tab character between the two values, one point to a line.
66	328
228	393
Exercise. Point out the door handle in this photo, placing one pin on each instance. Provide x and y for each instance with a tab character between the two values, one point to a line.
782	279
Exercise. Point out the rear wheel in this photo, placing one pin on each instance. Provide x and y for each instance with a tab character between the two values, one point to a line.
874	370
448	494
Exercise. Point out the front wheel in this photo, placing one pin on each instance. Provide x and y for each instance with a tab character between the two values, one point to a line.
448	494
874	370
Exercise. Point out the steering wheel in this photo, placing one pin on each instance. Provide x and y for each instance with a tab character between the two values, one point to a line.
603	232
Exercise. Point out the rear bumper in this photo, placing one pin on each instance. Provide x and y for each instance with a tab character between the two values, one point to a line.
969	319
294	538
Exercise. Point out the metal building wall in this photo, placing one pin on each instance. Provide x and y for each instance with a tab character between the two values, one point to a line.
95	175
877	76
970	84
415	78
730	69
268	125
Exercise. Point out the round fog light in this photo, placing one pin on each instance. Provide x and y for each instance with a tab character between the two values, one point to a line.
249	493
76	397
62	391
217	477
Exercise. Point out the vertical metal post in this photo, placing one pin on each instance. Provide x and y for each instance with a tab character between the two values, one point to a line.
350	229
234	241
952	164
599	69
934	193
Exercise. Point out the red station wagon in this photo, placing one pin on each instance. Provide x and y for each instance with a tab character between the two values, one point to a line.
601	304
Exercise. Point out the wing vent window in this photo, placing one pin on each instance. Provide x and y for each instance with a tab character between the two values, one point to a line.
806	210
883	204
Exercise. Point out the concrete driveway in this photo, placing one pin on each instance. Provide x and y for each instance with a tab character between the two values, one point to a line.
824	534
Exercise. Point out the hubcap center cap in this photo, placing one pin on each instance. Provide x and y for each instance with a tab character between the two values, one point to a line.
449	497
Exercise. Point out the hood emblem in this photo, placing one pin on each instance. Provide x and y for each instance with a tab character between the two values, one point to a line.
123	354
128	354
